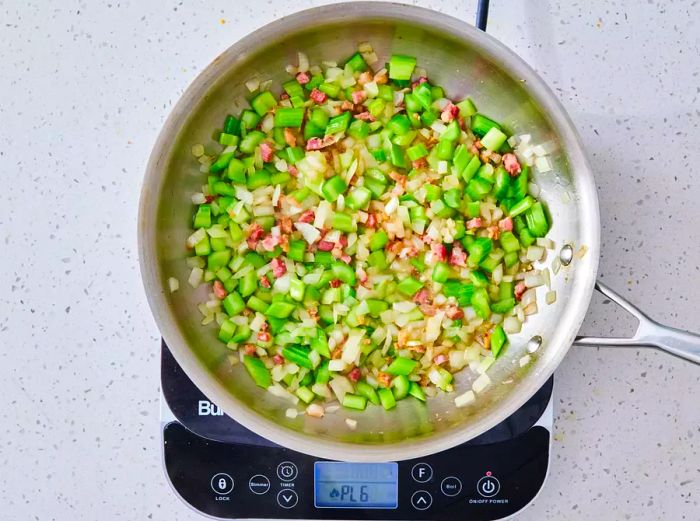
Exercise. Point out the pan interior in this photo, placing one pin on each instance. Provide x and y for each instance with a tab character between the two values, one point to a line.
466	63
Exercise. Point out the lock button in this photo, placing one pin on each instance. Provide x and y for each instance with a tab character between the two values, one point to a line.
222	483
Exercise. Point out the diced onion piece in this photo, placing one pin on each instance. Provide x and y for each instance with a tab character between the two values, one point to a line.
545	243
432	327
321	390
512	325
352	424
303	62
291	413
542	164
173	284
196	237
340	386
550	297
528	296
485	363
556	265
253	84
391	206
323	213
481	383
524	360
534	279
279	391
276	195
198	198
315	410
257	322
351	349
309	233
337	365
196	276
244	195
465	399
534	253
530	309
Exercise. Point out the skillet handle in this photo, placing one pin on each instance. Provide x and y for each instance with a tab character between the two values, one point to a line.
649	333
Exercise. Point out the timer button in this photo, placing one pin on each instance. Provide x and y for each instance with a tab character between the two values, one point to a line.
287	498
421	500
422	472
287	471
451	486
222	483
488	486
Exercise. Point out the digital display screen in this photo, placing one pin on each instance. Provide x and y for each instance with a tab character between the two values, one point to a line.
355	485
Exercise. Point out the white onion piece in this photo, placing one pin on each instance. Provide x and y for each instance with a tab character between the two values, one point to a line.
432	328
556	265
534	253
542	164
352	424
485	363
315	410
309	233
291	413
322	390
545	243
196	276
465	399
481	383
337	365
512	325
173	284
253	84
257	322
340	386
534	279
281	392
530	309
550	297
282	284
524	360
404	306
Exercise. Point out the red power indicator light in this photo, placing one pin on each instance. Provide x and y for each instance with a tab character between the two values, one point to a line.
488	472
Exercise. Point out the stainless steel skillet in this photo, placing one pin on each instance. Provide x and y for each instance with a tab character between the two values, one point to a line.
464	61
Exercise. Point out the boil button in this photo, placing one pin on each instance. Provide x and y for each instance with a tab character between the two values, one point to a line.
451	486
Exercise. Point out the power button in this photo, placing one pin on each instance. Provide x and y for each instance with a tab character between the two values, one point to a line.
488	486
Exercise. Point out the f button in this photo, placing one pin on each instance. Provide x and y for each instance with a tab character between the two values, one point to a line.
422	472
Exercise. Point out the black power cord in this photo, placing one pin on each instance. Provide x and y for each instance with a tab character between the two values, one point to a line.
482	14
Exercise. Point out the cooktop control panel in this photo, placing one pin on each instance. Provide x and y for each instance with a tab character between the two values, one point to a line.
224	470
468	482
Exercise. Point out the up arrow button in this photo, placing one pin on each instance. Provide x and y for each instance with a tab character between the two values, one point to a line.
421	500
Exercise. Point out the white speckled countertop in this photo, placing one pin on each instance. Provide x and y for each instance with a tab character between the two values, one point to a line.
84	89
